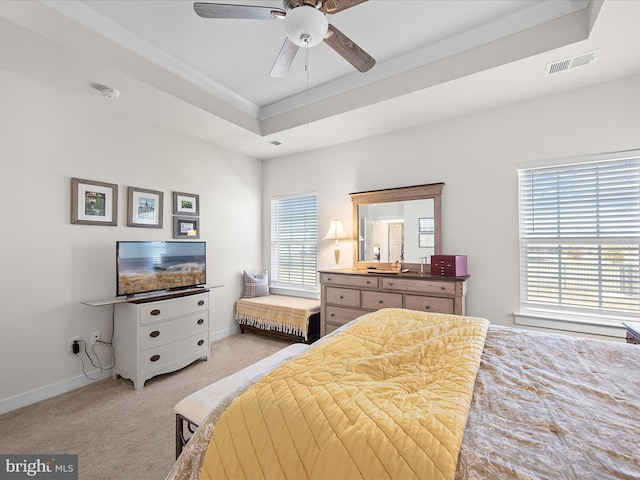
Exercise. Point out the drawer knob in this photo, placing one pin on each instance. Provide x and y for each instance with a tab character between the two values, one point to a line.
155	358
155	311
341	297
200	303
154	334
328	279
200	321
442	287
333	315
380	301
428	307
368	282
391	284
200	342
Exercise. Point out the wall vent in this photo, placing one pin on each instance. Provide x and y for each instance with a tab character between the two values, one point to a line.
570	63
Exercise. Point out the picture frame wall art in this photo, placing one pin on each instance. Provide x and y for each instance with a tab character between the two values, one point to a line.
94	203
186	204
144	208
187	228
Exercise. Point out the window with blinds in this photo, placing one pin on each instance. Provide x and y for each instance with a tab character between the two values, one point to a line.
580	238
294	239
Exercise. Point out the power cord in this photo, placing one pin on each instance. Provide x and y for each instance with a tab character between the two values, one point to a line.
113	354
76	351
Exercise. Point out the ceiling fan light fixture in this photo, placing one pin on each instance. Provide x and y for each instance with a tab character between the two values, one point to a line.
306	26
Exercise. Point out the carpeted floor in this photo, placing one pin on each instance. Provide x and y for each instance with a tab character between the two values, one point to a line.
119	433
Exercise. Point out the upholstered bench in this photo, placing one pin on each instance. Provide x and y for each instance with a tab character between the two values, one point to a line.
284	316
194	409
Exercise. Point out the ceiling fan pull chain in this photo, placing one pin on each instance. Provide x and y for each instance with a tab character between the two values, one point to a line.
306	68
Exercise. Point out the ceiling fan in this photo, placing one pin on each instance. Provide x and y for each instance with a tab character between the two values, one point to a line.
305	24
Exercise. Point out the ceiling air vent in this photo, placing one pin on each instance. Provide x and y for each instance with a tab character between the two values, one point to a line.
571	63
272	143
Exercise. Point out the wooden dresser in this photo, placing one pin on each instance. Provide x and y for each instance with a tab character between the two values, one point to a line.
347	294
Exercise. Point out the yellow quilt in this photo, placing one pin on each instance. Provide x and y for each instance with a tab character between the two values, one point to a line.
386	398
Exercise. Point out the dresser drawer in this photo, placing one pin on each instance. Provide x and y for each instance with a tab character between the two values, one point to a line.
343	296
376	300
154	311
330	327
339	316
349	280
428	304
158	357
407	285
158	333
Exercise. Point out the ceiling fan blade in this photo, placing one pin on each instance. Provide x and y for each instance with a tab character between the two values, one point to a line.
222	10
348	50
285	58
335	6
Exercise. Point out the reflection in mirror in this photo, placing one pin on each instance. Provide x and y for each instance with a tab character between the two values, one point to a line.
397	225
395	231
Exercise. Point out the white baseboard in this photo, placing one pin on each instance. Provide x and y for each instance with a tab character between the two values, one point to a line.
220	334
64	386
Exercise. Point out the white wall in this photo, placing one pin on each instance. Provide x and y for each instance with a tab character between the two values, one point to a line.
48	265
476	157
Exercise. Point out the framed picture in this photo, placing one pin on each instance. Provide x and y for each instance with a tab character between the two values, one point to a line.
426	224
186	227
93	203
426	240
185	203
145	208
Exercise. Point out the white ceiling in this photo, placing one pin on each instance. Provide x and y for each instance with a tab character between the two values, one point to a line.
210	77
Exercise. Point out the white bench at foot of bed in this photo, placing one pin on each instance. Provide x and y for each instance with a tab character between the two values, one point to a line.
194	409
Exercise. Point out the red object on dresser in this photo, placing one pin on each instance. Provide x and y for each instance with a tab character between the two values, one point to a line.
449	265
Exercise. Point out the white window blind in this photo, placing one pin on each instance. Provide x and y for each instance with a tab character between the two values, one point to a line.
294	239
580	238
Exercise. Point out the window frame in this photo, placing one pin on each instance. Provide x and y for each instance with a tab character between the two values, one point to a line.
575	319
309	241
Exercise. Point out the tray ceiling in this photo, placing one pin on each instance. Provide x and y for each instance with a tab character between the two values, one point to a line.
472	53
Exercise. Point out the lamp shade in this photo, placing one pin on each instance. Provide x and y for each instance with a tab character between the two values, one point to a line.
336	231
306	26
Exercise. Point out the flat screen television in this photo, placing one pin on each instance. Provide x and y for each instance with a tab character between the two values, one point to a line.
143	267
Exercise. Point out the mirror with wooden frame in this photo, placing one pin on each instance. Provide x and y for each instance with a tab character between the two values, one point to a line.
397	225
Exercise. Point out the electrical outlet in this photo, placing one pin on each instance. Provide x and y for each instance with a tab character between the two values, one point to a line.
95	337
71	340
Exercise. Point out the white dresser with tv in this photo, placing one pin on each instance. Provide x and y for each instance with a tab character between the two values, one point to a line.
155	336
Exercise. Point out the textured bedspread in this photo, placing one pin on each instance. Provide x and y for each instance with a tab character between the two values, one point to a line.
386	398
554	407
544	406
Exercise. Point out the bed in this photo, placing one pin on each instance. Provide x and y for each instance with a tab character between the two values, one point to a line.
492	403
